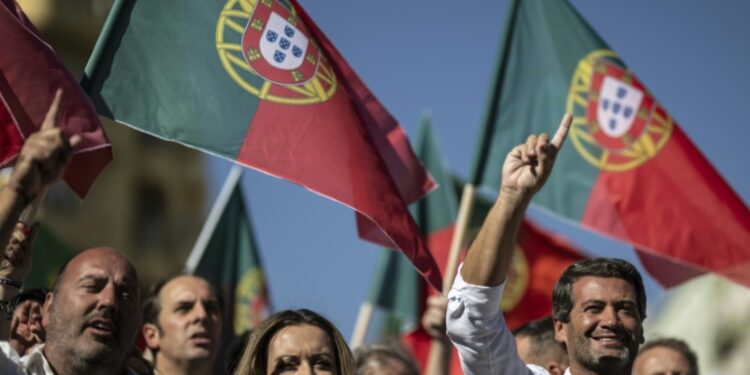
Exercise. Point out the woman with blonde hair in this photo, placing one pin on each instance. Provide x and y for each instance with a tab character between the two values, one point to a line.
296	341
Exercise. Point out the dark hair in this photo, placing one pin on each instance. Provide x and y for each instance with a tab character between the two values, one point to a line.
677	345
378	355
36	294
541	333
255	357
152	305
562	296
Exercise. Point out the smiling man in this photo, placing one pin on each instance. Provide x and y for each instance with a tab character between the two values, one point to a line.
182	325
598	304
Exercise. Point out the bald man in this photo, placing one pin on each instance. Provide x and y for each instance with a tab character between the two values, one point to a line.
92	314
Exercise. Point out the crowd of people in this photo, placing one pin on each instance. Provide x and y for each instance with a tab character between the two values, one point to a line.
89	321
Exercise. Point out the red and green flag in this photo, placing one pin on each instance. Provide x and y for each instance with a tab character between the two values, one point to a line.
30	74
226	254
628	170
539	259
258	83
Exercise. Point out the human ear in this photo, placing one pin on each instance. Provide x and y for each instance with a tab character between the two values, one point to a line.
561	331
151	335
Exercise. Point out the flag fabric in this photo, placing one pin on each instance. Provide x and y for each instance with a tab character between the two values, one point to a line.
226	254
258	83
539	259
50	253
628	170
396	288
30	74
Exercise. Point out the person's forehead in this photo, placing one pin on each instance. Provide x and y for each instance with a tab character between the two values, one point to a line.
186	288
602	288
101	264
292	340
660	359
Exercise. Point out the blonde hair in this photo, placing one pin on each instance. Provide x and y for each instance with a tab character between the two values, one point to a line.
254	359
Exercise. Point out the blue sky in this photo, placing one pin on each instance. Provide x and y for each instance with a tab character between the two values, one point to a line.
439	56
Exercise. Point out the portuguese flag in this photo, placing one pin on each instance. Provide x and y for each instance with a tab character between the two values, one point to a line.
628	171
259	83
538	262
226	255
30	74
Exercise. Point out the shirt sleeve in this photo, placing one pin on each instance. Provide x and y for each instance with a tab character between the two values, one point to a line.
9	360
477	328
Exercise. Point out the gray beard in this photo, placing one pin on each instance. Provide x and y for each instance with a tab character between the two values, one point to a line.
602	365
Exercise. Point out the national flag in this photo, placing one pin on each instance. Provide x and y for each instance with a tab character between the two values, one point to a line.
397	288
30	74
226	254
628	170
539	259
50	253
258	83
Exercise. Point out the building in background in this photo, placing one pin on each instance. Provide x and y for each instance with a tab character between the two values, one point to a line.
149	202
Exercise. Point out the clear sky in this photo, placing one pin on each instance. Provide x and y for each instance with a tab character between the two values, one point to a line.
439	56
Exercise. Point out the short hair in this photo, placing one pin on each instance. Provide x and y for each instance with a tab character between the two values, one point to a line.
36	295
60	273
677	345
254	360
152	305
541	333
562	296
379	354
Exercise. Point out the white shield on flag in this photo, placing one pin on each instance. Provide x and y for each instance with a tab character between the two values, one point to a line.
282	45
618	105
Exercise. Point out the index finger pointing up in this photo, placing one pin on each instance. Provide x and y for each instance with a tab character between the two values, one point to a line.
51	119
562	131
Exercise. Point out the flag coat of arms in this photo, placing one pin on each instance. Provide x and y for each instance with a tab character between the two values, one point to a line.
30	74
258	83
628	170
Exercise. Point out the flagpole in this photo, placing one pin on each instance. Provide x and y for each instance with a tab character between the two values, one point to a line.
360	327
459	235
199	248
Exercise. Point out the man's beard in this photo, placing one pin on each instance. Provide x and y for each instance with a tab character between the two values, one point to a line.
603	364
82	353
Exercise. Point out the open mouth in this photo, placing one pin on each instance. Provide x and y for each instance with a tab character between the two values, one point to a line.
610	341
102	327
201	338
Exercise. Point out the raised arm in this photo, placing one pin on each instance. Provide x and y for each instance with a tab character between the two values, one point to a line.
42	160
525	170
474	320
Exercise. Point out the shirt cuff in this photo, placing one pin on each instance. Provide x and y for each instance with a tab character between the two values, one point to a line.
485	300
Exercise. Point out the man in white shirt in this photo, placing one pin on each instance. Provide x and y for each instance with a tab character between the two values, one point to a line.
598	304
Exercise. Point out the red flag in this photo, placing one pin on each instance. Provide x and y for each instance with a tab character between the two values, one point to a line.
403	168
289	104
667	271
30	73
538	262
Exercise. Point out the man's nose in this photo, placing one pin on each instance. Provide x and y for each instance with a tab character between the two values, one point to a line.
610	317
108	296
200	312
